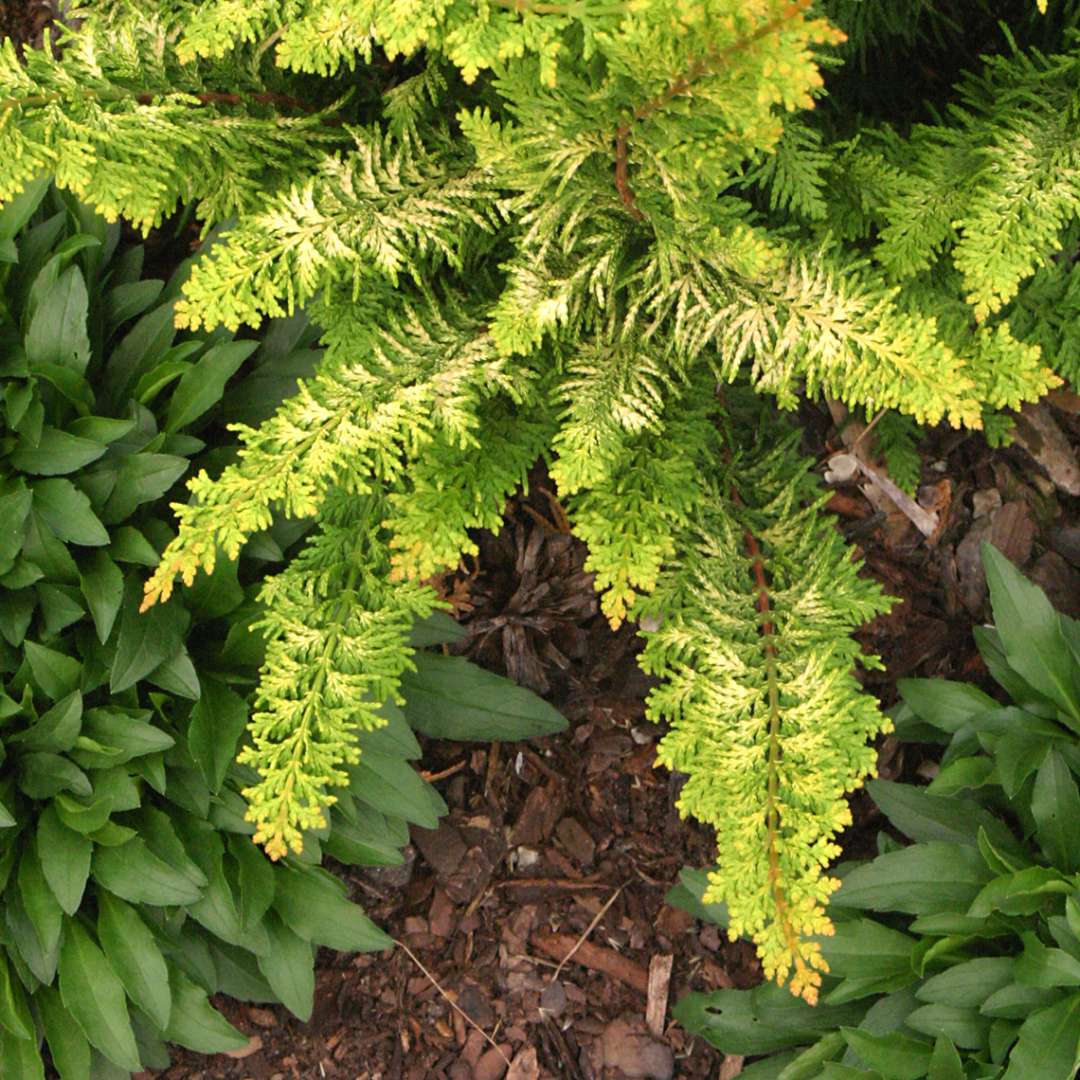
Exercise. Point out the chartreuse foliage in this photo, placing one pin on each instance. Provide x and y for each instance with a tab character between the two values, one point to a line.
130	888
553	228
957	956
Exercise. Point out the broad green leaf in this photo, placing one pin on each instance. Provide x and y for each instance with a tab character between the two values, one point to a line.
49	557
103	429
447	697
66	510
365	839
1046	967
130	546
962	774
392	786
14	510
146	640
135	957
1047	1047
94	996
139	351
65	859
177	675
158	378
56	729
313	905
922	816
945	1063
289	968
17	608
394	739
202	387
70	385
134	873
437	629
1021	893
103	586
257	880
195	1023
39	901
15	1015
923	879
865	947
217	721
964	1026
1055	805
19	209
1031	634
760	1021
213	595
84	817
216	908
156	830
56	453
55	672
1017	755
125	301
57	333
894	1056
60	606
42	775
143	477
20	1057
68	1048
131	735
807	1065
1018	1002
944	704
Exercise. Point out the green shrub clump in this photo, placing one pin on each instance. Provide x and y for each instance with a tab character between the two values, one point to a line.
552	228
958	955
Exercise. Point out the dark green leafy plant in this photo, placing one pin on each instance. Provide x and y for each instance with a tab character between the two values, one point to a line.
957	956
130	888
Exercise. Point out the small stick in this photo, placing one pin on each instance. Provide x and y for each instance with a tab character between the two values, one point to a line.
453	1004
588	930
565	884
431	777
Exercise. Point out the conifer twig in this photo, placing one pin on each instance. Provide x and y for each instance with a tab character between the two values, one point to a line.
705	65
772	812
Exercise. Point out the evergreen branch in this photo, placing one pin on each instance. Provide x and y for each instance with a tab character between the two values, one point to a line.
337	645
700	67
806	980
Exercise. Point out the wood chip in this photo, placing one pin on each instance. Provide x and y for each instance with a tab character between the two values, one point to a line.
595	957
659	985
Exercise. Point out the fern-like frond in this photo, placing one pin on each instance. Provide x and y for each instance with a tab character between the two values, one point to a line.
766	717
393	375
117	120
389	207
337	643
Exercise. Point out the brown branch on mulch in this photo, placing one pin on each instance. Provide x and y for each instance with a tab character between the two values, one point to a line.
595	957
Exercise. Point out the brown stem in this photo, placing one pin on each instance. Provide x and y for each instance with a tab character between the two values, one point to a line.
772	812
705	65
